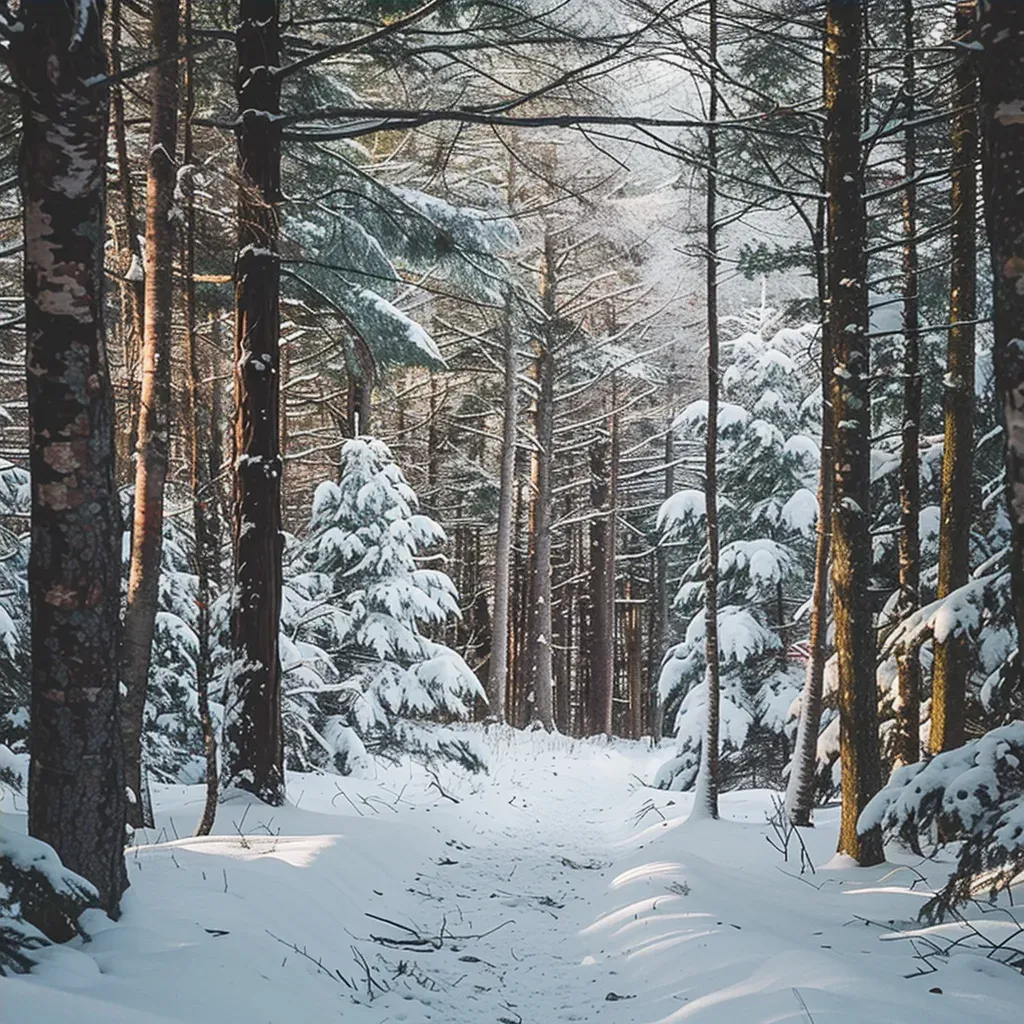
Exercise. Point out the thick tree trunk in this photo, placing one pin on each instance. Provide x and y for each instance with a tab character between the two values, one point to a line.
155	403
907	743
253	735
76	779
498	676
200	443
1001	34
848	339
706	799
540	638
950	666
800	787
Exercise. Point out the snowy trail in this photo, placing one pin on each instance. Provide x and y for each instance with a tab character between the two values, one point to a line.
556	889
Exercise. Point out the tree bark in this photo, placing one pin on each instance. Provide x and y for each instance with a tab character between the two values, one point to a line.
706	799
201	441
800	786
133	290
155	403
76	779
663	602
600	679
498	676
950	666
848	339
907	743
253	735
540	639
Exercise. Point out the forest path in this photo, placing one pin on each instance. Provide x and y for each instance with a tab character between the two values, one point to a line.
556	888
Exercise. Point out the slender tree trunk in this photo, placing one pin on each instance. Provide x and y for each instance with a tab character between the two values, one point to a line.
950	666
498	677
540	639
76	778
253	735
706	799
662	598
632	642
800	788
907	744
200	443
133	289
848	339
155	404
601	678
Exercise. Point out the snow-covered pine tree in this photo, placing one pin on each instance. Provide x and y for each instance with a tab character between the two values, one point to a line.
361	675
768	462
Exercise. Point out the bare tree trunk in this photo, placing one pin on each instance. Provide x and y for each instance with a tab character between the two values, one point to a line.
253	734
155	403
133	289
632	636
706	798
540	638
1001	34
851	402
498	677
663	601
76	778
601	678
201	437
950	666
800	788
907	741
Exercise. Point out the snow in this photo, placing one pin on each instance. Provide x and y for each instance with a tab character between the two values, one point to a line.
557	889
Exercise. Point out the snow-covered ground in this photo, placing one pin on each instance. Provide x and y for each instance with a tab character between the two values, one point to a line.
556	889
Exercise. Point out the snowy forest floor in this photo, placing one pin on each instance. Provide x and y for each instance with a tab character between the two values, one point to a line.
552	891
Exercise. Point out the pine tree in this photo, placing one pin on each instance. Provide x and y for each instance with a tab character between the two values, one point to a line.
362	674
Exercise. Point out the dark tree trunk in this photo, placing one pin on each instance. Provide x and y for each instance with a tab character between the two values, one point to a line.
253	736
601	677
949	669
155	403
907	743
706	799
848	340
76	779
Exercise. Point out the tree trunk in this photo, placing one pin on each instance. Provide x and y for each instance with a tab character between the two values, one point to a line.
800	788
661	596
155	402
540	639
76	778
498	677
253	736
133	288
950	666
200	443
706	799
848	339
602	614
907	744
